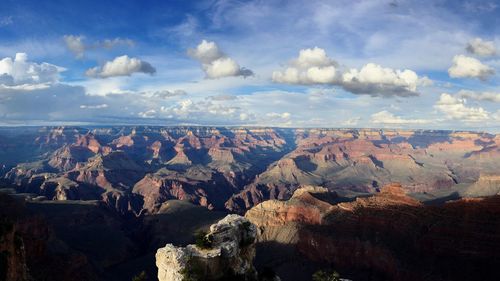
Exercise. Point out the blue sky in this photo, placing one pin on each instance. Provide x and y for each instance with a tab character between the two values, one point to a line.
396	64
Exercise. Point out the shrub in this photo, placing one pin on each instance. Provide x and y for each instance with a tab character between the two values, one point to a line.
321	275
203	241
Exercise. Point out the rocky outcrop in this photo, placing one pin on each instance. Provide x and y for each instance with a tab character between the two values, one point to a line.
228	251
279	221
387	236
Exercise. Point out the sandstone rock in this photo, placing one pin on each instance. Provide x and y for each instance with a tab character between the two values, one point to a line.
230	253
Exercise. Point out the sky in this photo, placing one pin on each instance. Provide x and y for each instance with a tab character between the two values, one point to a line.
303	63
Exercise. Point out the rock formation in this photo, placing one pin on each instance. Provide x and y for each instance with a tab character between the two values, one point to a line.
387	236
228	251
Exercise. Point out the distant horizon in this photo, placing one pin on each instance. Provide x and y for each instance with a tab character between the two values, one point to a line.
91	126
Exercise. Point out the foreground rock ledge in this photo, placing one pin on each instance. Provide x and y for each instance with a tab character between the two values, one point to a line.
231	253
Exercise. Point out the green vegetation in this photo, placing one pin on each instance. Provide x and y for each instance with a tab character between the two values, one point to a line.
140	277
203	241
322	275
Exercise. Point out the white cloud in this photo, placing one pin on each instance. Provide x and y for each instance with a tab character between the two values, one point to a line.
455	108
468	67
376	80
19	71
76	44
244	116
215	63
313	66
385	117
202	109
97	106
121	66
274	115
148	114
480	96
480	47
425	82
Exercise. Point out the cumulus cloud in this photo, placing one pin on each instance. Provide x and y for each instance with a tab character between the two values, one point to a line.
480	96
480	47
121	66
21	73
376	80
455	108
76	44
468	67
313	66
386	117
215	63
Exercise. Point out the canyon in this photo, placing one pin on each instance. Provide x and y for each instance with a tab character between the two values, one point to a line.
375	204
135	169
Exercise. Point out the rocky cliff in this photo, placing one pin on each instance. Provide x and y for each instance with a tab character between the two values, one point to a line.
227	251
388	236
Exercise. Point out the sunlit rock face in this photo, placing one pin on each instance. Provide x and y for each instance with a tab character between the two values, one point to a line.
386	236
230	252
